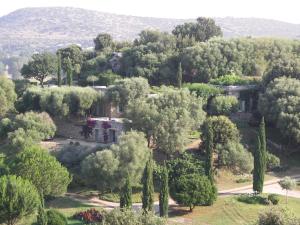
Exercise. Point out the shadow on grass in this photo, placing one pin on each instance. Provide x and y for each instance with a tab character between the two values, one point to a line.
175	211
65	203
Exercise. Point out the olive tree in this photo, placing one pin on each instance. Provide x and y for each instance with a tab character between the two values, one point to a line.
224	105
108	169
287	184
18	198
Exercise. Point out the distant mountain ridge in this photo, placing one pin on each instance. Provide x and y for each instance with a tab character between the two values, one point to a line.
48	28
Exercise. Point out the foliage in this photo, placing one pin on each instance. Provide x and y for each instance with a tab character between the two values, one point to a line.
235	157
89	216
108	168
164	193
18	198
287	183
203	90
59	70
148	187
224	105
21	139
167	118
126	194
260	159
223	129
41	66
193	190
273	198
184	165
8	95
120	217
59	101
42	169
69	72
179	76
209	154
72	58
39	122
127	90
277	216
253	199
202	30
56	218
232	79
280	105
272	161
103	41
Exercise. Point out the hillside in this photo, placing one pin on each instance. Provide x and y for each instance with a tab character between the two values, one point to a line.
34	29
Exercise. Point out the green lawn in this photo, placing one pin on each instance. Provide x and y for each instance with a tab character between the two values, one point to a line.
228	211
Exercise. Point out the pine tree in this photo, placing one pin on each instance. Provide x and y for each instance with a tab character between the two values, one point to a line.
126	194
59	69
42	218
209	154
148	189
69	72
260	159
164	193
179	76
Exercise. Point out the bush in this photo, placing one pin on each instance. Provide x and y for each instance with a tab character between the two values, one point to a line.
234	156
253	199
277	216
122	217
233	79
56	218
272	161
273	198
89	216
193	190
224	105
204	90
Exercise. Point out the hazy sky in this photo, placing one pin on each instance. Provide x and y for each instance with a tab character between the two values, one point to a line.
285	10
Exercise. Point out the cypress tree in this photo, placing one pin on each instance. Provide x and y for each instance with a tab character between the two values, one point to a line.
148	189
69	72
126	194
42	218
164	193
59	69
260	159
179	76
209	154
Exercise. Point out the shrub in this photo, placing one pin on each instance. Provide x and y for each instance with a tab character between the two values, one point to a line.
273	198
277	216
89	216
224	105
56	218
192	190
234	156
253	199
272	161
233	79
122	217
204	90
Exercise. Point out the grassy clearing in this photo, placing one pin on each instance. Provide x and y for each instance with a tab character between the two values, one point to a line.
228	211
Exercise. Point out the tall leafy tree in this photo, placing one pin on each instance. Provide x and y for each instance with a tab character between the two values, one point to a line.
260	159
148	188
209	154
103	41
179	76
69	72
41	66
164	193
126	194
59	69
18	198
43	170
8	95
